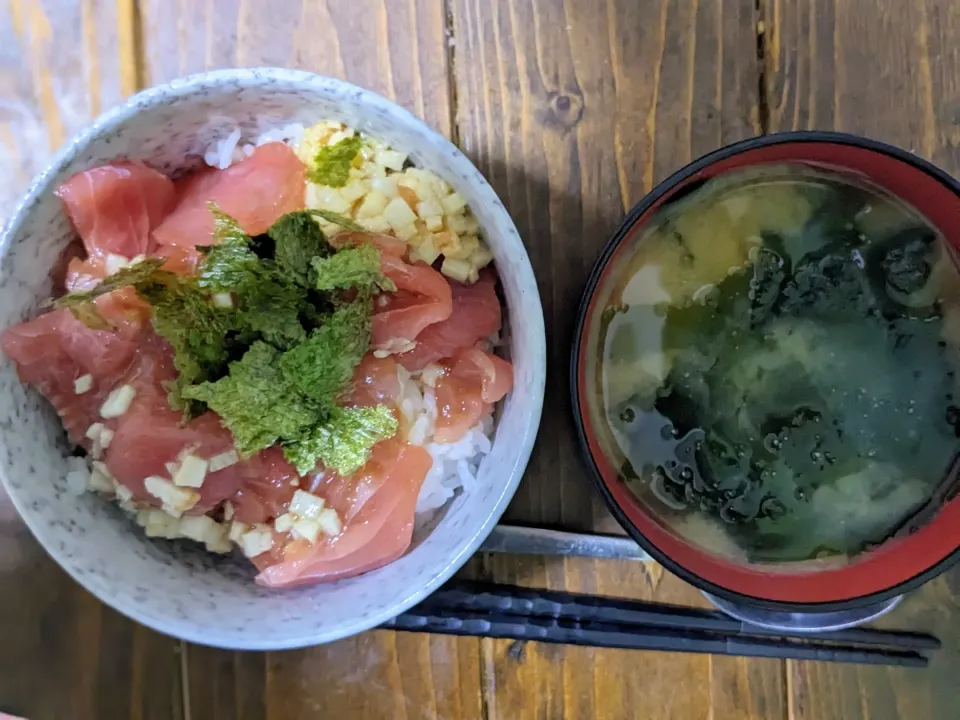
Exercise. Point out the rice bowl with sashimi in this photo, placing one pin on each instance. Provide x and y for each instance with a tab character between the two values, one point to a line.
361	487
289	352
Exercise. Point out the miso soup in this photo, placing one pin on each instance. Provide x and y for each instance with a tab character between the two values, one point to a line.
778	365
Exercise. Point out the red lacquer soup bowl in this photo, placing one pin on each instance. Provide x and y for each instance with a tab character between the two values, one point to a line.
924	547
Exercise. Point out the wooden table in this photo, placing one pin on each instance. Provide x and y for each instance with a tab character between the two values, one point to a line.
573	109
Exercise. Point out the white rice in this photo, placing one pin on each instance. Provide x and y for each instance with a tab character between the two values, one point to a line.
228	150
455	465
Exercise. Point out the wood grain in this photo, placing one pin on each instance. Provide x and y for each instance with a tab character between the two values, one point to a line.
61	63
891	71
396	48
63	653
574	111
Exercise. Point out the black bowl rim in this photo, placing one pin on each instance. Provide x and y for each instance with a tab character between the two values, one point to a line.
659	191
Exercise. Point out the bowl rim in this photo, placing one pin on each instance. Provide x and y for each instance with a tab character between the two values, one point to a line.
660	193
533	401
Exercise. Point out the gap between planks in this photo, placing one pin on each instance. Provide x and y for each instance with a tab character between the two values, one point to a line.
760	29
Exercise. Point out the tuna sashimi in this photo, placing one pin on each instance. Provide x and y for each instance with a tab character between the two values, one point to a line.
266	487
256	192
475	316
149	434
387	244
423	297
375	382
379	502
55	349
471	382
115	207
119	305
58	274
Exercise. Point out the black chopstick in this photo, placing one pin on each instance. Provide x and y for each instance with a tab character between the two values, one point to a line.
509	600
595	634
503	611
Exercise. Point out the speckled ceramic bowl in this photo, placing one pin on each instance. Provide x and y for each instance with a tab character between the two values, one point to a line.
173	587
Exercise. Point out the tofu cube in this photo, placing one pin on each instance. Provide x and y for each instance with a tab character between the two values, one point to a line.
426	251
459	270
462	224
391	159
326	198
256	541
449	244
453	203
377	224
481	257
175	499
284	523
373	204
83	384
353	191
199	527
386	185
305	505
118	401
124	494
222	300
405	232
223	460
429	208
398	213
329	522
191	472
100	479
308	529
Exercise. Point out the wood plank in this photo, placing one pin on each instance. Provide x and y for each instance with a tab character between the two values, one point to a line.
398	49
60	65
574	111
891	71
64	654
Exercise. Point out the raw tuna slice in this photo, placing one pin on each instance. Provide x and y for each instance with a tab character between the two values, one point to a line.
266	487
475	316
471	382
149	435
377	505
256	191
115	207
387	244
55	349
422	298
375	382
123	304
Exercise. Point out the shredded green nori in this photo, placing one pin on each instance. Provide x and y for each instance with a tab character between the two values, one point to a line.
332	163
275	363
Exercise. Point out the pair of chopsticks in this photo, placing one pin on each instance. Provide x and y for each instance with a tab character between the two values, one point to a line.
501	611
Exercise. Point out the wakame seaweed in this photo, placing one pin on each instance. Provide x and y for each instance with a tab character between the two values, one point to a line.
804	396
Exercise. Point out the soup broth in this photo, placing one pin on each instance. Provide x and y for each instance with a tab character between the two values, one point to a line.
778	365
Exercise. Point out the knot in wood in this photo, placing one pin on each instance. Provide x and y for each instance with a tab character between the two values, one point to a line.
565	109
